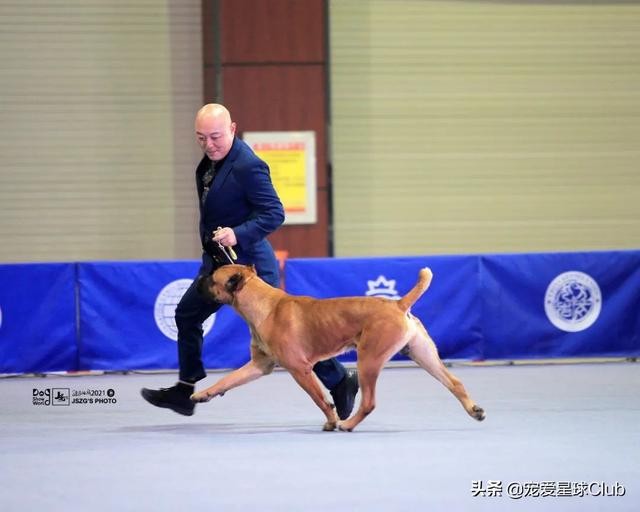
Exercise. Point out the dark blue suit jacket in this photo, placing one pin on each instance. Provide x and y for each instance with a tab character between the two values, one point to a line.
242	197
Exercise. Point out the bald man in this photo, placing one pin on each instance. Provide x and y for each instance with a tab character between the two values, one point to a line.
235	194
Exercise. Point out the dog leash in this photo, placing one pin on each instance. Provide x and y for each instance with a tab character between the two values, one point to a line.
228	252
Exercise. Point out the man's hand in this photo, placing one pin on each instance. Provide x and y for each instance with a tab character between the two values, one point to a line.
225	236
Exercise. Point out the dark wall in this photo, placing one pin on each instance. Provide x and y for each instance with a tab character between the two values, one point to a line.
266	61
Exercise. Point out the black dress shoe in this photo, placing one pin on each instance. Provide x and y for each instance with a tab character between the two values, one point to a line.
344	394
175	398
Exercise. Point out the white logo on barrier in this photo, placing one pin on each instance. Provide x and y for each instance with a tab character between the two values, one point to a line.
382	287
573	301
165	309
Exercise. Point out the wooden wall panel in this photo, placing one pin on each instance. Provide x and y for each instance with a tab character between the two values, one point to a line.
266	98
271	69
209	87
210	56
272	31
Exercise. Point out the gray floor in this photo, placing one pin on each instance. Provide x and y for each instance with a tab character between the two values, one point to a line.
260	447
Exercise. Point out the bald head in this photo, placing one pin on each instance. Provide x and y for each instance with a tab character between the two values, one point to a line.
215	111
215	131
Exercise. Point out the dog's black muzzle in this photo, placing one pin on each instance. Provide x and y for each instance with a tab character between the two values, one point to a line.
203	283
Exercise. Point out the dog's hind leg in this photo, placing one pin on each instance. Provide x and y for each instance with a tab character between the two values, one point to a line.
423	351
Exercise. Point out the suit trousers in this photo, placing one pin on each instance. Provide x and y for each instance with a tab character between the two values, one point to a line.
193	310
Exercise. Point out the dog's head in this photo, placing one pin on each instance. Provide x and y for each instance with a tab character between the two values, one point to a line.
224	283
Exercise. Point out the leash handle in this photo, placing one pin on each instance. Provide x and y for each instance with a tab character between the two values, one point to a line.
229	253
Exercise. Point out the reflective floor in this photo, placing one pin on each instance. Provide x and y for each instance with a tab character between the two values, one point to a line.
554	431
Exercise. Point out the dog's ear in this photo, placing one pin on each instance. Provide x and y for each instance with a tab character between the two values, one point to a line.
252	268
234	283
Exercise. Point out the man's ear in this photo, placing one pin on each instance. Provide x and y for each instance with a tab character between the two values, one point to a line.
234	283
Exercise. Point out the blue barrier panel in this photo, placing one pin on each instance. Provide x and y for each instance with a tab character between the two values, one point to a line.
127	318
561	305
478	307
37	318
450	309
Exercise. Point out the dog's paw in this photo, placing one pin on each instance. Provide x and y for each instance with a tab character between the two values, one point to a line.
344	427
329	426
478	413
200	397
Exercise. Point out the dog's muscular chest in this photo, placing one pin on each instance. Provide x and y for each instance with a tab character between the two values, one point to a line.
259	342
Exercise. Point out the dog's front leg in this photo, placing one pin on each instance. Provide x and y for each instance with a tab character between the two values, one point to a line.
247	373
309	382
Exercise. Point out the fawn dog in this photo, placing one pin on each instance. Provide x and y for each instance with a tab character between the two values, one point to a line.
297	332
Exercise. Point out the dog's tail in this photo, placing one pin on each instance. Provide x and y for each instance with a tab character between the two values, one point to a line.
424	280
